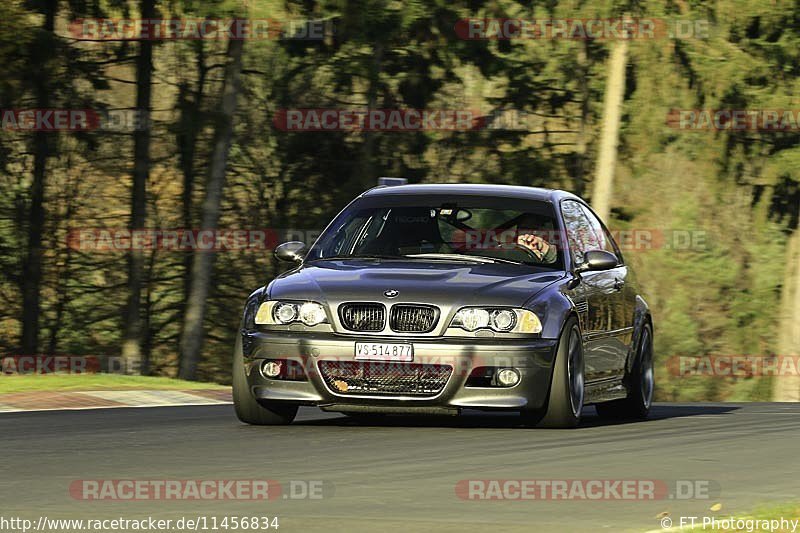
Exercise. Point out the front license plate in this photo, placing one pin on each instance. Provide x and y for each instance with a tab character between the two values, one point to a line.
381	351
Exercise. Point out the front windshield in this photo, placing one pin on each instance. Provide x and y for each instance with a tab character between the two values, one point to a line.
444	228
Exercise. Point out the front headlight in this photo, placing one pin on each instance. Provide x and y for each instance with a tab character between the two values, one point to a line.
502	320
280	313
312	313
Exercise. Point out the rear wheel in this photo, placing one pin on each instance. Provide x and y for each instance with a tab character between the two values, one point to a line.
641	384
248	410
565	400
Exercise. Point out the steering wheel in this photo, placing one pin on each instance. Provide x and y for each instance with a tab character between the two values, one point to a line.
516	246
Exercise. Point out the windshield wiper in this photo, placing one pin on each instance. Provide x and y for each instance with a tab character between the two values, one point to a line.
463	257
447	257
369	256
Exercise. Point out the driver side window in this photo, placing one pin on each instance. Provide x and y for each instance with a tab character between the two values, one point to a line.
580	235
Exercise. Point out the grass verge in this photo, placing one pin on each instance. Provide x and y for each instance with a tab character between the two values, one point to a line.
90	382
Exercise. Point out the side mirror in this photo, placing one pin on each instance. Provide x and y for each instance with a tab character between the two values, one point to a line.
595	260
291	252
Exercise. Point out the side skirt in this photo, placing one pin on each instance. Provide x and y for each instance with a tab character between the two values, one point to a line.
605	390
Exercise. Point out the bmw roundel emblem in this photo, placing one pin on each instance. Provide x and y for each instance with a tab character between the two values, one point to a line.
391	293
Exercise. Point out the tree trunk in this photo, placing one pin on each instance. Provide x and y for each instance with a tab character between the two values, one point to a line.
191	122
32	266
609	139
787	388
62	273
367	163
202	265
582	143
32	278
132	343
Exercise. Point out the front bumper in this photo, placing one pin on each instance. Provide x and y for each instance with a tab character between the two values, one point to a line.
533	359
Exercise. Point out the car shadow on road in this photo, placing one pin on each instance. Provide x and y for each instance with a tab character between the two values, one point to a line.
662	411
478	419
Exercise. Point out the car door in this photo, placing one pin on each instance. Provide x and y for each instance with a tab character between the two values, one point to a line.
622	295
594	297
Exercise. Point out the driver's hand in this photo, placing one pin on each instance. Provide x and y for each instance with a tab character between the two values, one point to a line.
537	245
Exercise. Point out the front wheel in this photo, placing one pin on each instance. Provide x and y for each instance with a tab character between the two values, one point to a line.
640	386
565	400
248	410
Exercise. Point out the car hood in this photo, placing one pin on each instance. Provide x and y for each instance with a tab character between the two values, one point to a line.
440	283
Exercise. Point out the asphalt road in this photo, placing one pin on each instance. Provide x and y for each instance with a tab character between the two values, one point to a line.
401	474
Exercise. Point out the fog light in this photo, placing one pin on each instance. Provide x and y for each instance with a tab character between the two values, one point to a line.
271	369
508	377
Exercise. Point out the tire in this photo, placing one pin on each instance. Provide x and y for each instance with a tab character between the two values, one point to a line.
640	384
565	400
248	410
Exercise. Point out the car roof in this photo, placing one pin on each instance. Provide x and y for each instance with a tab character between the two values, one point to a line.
471	189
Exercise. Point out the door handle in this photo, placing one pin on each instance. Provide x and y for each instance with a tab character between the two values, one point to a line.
619	284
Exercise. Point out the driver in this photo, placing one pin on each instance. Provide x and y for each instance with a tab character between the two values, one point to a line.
528	225
543	250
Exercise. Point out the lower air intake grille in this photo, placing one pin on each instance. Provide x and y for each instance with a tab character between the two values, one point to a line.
384	379
363	316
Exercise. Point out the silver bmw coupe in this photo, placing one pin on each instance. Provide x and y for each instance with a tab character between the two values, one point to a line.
431	299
